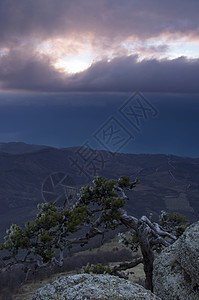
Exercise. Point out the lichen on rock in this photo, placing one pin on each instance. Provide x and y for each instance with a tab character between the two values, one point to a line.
176	269
95	286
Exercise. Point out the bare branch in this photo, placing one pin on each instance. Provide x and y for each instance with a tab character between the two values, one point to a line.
128	220
121	275
127	265
156	228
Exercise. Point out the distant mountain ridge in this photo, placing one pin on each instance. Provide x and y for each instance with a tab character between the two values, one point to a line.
30	172
20	147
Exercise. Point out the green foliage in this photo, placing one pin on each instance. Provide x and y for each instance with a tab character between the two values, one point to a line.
105	196
124	182
43	236
96	269
53	227
173	222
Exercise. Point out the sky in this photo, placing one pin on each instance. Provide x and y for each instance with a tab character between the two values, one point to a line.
66	67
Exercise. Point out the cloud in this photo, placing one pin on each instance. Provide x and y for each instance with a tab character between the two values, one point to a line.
152	49
110	35
127	74
33	21
27	70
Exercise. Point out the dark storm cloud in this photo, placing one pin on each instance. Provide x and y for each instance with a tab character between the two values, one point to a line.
24	20
32	72
127	74
26	70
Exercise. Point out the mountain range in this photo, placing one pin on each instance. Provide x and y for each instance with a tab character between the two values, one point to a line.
31	174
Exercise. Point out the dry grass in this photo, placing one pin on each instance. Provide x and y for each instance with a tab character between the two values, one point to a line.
27	290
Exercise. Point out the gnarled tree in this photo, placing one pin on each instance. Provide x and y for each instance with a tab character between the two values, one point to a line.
100	207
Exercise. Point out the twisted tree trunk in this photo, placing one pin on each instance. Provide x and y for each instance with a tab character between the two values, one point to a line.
148	259
149	234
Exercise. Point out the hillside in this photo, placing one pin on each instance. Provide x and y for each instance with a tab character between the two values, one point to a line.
166	182
19	147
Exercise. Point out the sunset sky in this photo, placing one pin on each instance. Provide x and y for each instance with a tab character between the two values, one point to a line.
50	50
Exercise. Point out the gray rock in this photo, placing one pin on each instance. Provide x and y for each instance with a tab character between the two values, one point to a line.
86	286
176	269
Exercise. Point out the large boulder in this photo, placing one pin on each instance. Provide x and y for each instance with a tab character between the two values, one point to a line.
176	269
86	286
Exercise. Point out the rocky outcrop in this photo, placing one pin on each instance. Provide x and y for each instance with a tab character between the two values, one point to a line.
176	269
86	286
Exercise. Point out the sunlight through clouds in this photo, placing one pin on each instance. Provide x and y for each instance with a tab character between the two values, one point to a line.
4	51
73	64
68	55
75	55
